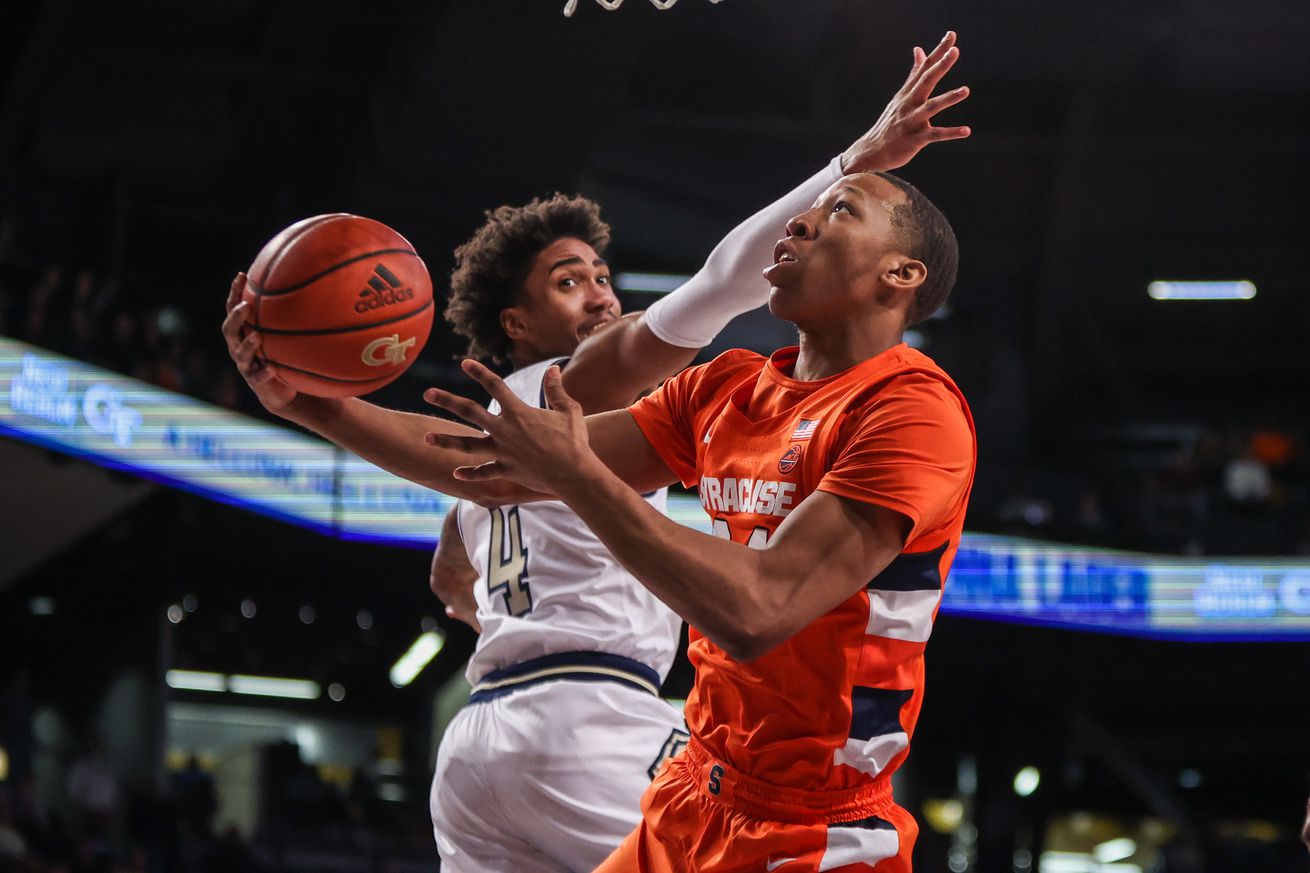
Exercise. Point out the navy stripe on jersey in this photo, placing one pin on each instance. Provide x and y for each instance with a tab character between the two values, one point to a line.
876	712
913	571
872	823
541	399
573	666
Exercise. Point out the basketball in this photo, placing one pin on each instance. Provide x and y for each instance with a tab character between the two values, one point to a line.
343	304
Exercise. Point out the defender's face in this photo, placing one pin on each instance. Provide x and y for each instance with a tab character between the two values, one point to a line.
566	297
833	253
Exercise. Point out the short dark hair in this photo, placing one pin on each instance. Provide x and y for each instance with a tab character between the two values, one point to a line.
929	238
490	268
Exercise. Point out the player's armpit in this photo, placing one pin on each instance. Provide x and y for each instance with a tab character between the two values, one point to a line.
827	549
614	366
620	444
453	577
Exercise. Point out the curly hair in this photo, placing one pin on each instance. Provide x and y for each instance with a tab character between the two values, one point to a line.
929	237
491	267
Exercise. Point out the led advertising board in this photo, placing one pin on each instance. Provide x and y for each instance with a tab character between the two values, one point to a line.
118	422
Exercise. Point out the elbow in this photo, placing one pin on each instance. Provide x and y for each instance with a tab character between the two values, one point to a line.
749	639
745	649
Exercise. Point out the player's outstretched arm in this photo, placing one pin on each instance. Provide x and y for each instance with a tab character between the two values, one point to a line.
746	600
453	577
390	439
610	369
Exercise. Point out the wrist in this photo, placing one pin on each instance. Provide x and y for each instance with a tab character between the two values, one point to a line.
309	411
583	479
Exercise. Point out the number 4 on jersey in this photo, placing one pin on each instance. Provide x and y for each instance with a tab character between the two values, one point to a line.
507	561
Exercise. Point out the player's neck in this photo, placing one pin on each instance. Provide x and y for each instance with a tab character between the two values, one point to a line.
835	348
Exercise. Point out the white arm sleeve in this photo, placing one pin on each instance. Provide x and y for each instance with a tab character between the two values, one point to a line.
730	282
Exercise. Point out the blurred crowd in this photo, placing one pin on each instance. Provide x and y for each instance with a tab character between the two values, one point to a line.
83	313
102	827
105	832
1236	492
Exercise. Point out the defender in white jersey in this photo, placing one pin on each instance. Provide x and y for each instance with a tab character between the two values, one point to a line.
565	728
545	769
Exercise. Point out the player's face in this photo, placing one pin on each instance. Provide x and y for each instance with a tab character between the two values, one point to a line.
834	253
566	297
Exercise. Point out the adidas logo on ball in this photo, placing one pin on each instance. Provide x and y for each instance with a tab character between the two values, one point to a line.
384	288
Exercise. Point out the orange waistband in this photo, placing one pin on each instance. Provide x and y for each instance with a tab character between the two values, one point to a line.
758	799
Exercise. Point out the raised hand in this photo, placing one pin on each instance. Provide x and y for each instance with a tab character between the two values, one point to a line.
243	347
905	125
545	450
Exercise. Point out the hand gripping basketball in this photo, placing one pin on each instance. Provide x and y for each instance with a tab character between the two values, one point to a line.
343	305
243	347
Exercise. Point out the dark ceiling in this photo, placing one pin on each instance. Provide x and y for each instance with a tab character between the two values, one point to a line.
1115	143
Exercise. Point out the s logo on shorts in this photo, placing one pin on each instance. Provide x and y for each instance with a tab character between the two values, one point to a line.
714	786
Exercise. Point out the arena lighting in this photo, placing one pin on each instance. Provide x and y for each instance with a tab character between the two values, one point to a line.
193	680
650	283
411	663
1115	850
4	764
274	686
1230	290
1066	862
1026	781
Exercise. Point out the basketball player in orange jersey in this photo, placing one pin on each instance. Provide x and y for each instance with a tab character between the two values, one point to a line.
543	327
837	475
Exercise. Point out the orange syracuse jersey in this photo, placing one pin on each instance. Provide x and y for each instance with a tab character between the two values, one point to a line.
823	719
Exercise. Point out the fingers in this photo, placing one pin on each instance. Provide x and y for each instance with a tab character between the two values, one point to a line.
467	445
494	386
480	472
933	72
466	409
234	293
234	322
941	134
243	351
915	68
942	101
552	386
939	51
922	61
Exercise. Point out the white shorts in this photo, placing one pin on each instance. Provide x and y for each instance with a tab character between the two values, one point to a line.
548	777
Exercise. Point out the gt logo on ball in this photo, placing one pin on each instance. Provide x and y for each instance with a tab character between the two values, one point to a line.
386	350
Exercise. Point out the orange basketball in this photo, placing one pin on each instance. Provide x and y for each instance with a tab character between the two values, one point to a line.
343	304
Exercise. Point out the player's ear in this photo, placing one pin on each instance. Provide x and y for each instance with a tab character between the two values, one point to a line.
906	272
901	278
512	322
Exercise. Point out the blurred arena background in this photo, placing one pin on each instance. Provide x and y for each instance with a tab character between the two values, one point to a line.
1145	708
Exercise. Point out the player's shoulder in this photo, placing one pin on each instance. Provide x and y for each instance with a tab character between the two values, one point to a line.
525	382
727	367
911	377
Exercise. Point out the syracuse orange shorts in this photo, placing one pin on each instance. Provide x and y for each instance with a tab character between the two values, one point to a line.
701	816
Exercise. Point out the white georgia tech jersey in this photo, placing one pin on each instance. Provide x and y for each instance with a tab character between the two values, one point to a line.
547	585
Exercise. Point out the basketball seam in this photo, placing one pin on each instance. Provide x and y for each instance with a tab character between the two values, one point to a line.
275	331
318	375
262	292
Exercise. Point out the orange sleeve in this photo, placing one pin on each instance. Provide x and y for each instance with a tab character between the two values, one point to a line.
912	451
664	417
671	416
